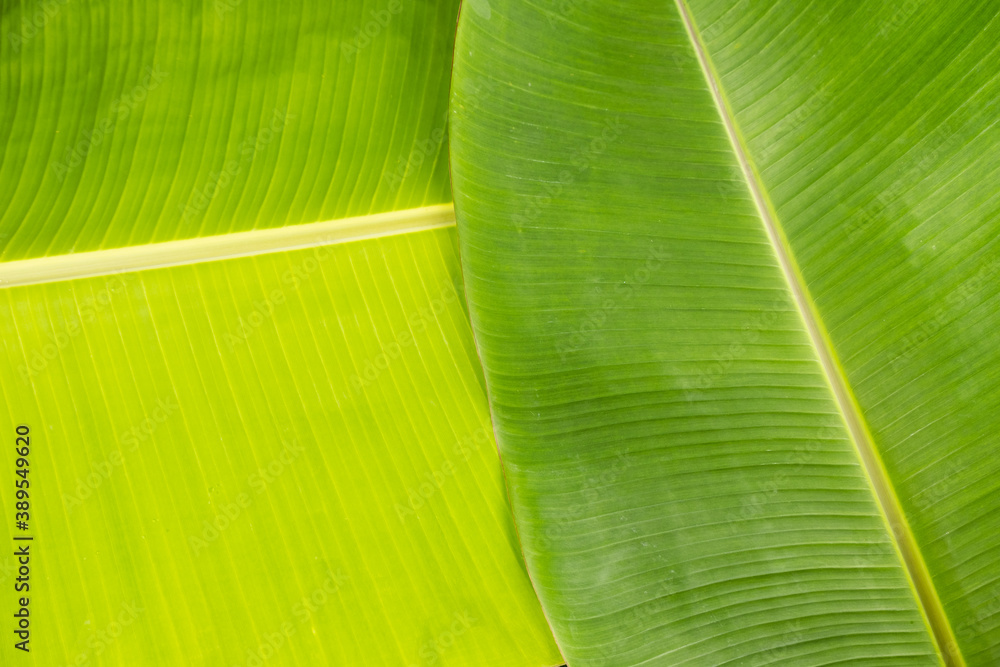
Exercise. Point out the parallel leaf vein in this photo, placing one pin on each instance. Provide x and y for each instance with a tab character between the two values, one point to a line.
875	471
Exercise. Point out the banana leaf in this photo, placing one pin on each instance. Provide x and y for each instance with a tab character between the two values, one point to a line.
732	273
284	458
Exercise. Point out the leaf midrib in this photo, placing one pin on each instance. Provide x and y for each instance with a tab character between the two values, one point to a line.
224	246
875	471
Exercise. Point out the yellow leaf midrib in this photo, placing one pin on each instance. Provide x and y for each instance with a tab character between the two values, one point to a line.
896	523
225	246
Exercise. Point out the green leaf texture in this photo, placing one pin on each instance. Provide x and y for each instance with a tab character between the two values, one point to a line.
284	459
124	123
882	167
670	283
